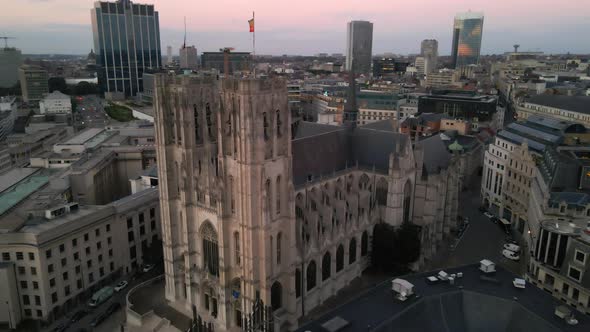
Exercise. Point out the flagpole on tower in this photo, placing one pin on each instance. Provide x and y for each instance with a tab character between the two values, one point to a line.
253	37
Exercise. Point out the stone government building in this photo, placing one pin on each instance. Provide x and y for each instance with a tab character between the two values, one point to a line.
254	206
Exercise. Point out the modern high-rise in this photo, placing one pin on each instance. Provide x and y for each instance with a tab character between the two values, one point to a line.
169	55
127	42
34	82
188	57
467	32
429	50
10	60
359	46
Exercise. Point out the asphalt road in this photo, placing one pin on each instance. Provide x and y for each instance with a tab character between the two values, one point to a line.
90	112
114	321
482	239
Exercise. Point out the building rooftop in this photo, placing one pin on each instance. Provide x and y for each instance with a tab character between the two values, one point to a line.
83	136
56	95
470	304
13	176
11	197
578	104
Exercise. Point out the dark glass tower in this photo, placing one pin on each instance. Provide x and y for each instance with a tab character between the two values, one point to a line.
359	46
127	42
467	32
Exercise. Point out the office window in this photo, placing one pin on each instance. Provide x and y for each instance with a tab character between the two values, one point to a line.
110	252
31	256
23	284
108	228
78	268
86	237
574	273
6	256
141	218
90	277
62	248
142	230
87	250
112	265
76	256
152	213
26	300
101	271
54	297
580	257
153	225
67	290
50	268
130	236
109	240
35	285
74	242
89	263
79	283
97	232
48	253
64	262
100	258
33	270
19	256
133	252
65	276
129	223
37	300
27	312
98	245
51	282
39	313
21	270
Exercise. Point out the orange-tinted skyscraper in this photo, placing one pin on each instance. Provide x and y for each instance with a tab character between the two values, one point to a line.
467	32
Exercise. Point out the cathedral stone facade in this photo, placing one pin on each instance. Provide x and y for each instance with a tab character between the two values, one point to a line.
256	207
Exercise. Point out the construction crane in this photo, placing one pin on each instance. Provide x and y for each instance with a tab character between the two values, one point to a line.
6	40
226	51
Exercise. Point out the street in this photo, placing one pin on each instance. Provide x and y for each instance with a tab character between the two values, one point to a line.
482	239
90	112
113	322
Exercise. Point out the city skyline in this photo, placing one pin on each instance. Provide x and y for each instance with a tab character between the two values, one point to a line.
311	28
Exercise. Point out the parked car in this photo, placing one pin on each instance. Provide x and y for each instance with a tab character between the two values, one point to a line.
489	215
148	267
510	255
98	319
120	286
61	327
512	247
78	315
112	308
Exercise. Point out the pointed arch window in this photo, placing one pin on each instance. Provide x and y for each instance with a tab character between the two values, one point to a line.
265	126
197	128
311	275
279	240
238	256
326	266
279	123
210	249
278	194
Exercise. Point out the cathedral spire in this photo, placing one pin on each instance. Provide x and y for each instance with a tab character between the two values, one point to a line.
350	107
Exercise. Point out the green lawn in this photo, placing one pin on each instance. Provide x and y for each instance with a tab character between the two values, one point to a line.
119	113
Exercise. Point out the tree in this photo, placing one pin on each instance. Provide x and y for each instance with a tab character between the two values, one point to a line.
57	83
395	249
85	88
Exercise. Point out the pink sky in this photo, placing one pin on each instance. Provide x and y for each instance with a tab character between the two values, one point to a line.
303	19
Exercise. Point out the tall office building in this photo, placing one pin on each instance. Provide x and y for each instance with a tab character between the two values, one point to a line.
34	83
10	60
429	50
188	57
467	32
359	46
127	42
169	55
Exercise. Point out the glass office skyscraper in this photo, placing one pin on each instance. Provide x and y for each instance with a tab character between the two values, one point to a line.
127	42
359	46
467	32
